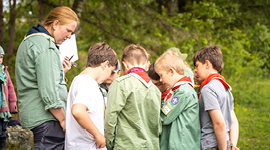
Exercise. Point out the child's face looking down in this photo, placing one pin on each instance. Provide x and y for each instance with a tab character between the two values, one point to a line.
200	71
1	59
166	78
161	86
196	78
107	73
113	76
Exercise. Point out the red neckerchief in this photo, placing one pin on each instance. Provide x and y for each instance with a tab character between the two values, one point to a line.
217	77
164	94
140	73
180	82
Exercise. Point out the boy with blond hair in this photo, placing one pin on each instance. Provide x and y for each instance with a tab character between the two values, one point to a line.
132	119
219	125
180	113
85	103
187	71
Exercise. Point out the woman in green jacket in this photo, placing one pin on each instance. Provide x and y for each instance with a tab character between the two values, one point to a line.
40	81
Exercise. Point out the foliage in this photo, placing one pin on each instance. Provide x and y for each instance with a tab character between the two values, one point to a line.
216	22
241	28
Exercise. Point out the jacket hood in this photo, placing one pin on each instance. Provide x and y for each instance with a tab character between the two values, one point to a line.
38	29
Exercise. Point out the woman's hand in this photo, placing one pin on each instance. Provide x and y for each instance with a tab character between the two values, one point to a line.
66	65
63	124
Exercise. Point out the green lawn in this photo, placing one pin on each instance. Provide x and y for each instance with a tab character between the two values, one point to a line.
254	119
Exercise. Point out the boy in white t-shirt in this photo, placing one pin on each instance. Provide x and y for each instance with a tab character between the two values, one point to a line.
85	103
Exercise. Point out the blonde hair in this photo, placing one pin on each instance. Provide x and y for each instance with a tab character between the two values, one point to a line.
170	59
63	14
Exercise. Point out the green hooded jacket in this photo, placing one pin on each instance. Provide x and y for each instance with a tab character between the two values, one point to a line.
40	80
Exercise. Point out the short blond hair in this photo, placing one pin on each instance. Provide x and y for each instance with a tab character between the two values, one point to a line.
168	60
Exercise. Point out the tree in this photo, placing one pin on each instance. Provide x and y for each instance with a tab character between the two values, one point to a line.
2	31
78	8
12	23
41	11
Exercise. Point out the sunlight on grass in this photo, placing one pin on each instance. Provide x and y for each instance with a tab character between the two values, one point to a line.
254	120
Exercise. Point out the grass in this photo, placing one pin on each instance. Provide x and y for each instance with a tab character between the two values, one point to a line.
254	118
253	115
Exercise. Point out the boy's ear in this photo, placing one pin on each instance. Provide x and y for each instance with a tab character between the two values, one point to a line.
172	71
147	65
208	64
105	64
125	64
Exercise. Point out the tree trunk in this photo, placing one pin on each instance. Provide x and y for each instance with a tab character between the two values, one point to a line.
2	29
171	7
60	2
160	4
40	12
68	3
12	22
181	5
78	7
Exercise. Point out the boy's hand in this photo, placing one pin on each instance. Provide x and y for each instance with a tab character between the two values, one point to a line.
100	140
234	148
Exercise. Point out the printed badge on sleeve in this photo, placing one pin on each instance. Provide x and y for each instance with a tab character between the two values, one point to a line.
166	109
175	100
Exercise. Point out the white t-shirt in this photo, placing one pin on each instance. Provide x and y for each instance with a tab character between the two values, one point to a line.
84	90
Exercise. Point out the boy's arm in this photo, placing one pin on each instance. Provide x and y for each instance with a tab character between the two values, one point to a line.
115	103
159	126
234	132
176	109
219	128
81	116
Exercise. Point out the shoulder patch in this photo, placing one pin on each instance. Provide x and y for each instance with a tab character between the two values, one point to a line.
166	109
175	100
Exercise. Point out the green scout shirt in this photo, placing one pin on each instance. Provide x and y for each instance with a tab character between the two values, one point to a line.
181	125
134	110
40	80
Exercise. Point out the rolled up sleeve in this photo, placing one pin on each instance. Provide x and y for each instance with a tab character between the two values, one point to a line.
48	71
